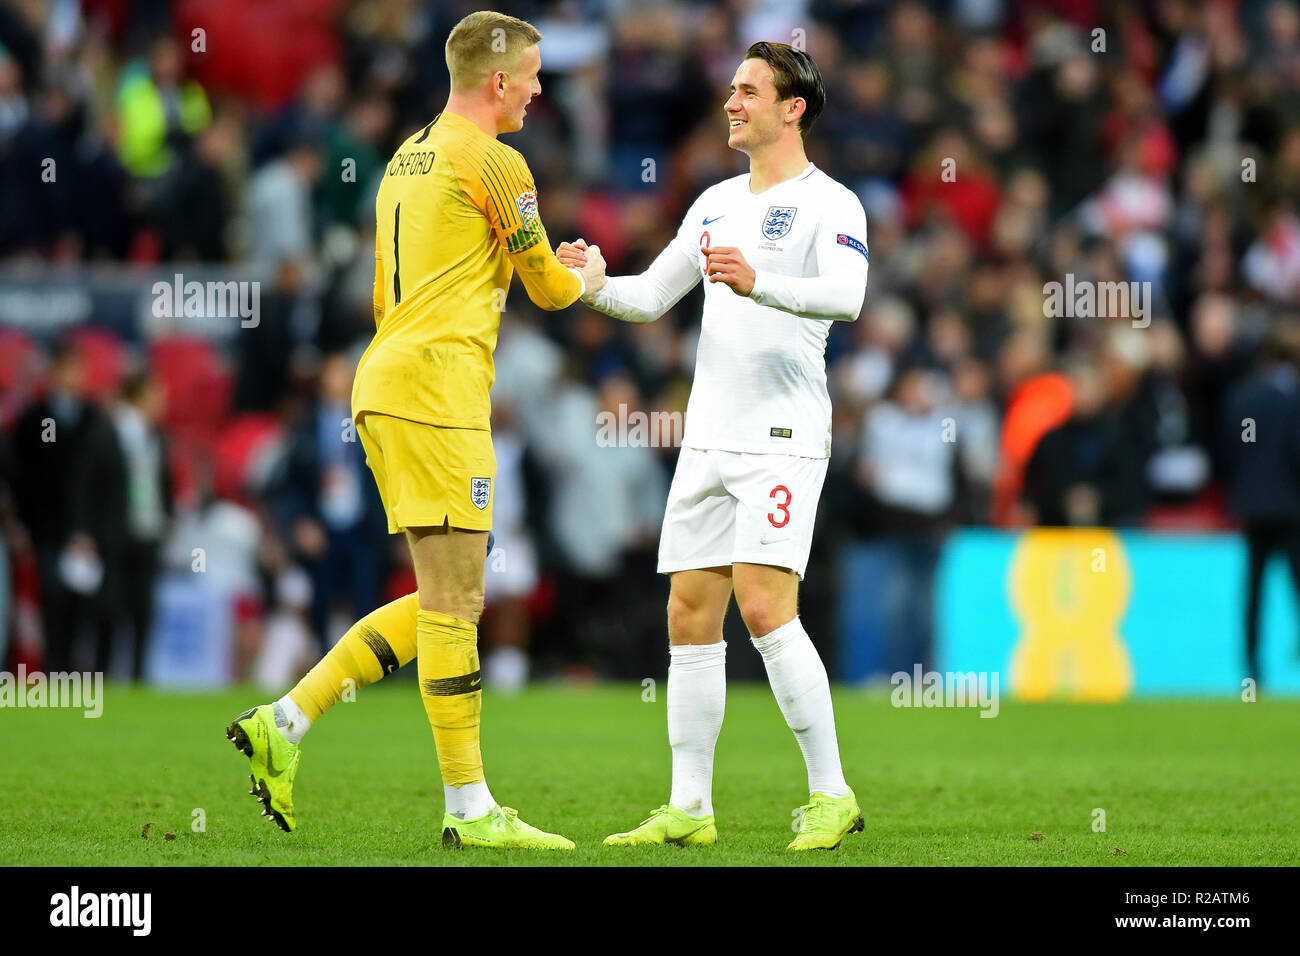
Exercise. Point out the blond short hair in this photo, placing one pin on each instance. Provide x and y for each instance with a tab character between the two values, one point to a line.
483	43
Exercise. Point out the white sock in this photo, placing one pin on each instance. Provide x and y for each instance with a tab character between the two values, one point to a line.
798	680
290	719
469	801
505	669
697	697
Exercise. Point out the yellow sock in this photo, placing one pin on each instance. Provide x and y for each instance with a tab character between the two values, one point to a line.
374	647
453	693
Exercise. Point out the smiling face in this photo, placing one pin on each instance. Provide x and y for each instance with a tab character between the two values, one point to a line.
517	89
754	114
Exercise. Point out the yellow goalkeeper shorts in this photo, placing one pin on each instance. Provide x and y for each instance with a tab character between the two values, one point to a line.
430	476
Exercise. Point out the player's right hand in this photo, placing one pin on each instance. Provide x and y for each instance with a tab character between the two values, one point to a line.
594	269
572	255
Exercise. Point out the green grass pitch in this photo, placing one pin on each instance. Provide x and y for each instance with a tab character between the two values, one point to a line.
1181	782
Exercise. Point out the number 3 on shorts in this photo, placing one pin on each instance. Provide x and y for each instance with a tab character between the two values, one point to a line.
783	507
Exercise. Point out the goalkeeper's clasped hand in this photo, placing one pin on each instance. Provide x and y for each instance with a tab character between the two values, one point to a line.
725	264
586	259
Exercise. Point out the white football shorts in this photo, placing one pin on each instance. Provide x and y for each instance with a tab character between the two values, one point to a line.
726	507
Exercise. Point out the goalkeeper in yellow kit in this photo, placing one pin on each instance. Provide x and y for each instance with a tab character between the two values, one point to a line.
456	216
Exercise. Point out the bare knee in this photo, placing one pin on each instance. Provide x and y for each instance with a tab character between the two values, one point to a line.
768	597
449	571
465	604
692	622
472	606
763	613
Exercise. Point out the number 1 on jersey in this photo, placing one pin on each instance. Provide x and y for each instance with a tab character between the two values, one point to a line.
397	256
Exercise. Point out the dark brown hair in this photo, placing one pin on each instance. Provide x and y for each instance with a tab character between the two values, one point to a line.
794	73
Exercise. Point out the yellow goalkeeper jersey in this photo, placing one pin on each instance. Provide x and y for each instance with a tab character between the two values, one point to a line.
456	215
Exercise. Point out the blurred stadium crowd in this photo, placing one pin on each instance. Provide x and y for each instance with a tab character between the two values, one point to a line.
1164	149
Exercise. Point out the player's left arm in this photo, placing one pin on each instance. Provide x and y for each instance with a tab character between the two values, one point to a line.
837	291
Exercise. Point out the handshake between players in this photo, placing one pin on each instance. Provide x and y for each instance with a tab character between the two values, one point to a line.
721	264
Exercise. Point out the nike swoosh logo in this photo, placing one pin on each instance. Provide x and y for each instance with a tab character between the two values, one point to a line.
714	219
766	540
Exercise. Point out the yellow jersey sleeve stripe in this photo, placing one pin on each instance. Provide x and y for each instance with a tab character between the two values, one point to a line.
509	167
502	163
498	176
496	190
505	206
512	168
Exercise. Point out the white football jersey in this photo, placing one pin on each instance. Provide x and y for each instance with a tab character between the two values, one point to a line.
760	369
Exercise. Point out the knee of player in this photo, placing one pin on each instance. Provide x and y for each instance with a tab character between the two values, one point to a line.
678	616
466	605
686	622
474	605
762	614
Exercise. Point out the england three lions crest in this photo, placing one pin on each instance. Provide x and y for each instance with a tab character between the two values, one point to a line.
778	221
480	490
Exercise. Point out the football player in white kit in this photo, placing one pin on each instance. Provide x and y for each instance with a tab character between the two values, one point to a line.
783	254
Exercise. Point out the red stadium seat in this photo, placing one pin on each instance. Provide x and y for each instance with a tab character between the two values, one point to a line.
245	453
21	374
198	386
262	52
104	359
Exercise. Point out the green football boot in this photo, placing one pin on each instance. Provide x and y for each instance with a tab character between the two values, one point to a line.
825	821
501	829
273	762
668	825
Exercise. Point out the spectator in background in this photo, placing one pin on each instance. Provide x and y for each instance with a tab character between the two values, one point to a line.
1037	400
354	162
149	507
964	193
511	573
1261	435
606	506
281	650
866	122
1179	467
1064	99
194	209
99	522
281	228
43	140
1072	477
281	233
13	101
881	336
1133	417
158	110
1272	264
13	543
62	187
1218	361
212	555
327	502
975	417
313	113
908	468
66	499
